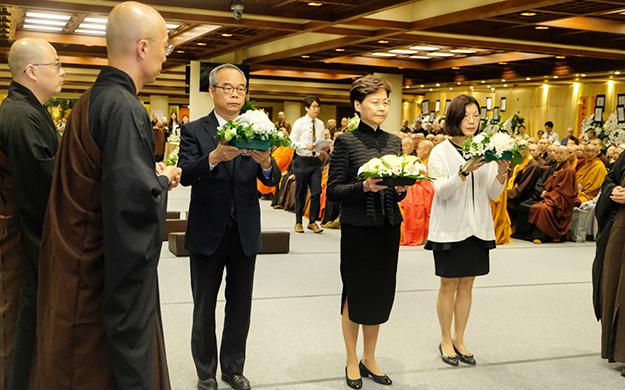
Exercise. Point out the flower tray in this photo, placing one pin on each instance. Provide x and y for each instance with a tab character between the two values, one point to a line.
397	181
493	157
253	144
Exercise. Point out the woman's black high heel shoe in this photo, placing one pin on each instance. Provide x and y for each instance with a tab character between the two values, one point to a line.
353	383
468	359
451	360
381	379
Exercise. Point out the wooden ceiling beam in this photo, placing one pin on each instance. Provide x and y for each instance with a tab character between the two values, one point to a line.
586	23
298	51
378	62
486	59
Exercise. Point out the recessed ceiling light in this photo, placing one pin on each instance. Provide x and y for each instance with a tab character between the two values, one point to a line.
483	81
226	35
527	78
47	16
407	86
315	4
180	51
172	26
420	57
201	44
560	57
545	85
431	89
422	85
400	67
617	72
528	14
488	86
398	51
583	75
47	28
99	20
555	77
459	83
503	80
492	89
92	26
440	54
424	48
382	41
438	85
45	22
451	89
503	63
383	54
305	56
541	28
81	31
339	49
462	51
505	85
455	67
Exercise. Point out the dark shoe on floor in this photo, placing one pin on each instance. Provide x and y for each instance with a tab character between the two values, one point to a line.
299	228
314	227
451	360
623	372
353	383
467	359
381	379
207	384
237	381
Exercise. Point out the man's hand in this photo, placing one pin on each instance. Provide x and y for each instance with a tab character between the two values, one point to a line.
159	168
618	195
263	158
310	146
173	175
223	152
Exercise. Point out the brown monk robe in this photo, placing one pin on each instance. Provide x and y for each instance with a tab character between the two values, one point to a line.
552	216
522	183
11	259
160	140
608	269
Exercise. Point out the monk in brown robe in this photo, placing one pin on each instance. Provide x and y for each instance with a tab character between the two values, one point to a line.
98	319
590	177
608	273
28	143
522	181
552	216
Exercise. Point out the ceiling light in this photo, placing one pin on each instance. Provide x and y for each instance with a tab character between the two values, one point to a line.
503	80
100	20
438	85
47	28
315	4
407	86
541	28
431	89
459	83
226	35
422	85
424	48
172	26
555	77
201	44
402	51
617	72
492	89
527	78
440	54
545	85
503	63
339	49
483	81
560	57
528	14
47	16
382	41
455	67
180	51
583	75
505	85
92	26
420	57
45	22
383	54
451	89
305	56
488	86
81	31
462	51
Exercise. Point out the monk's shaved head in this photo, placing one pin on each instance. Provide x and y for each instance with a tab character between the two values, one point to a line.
27	51
130	22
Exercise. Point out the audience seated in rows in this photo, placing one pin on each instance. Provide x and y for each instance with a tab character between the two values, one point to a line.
522	181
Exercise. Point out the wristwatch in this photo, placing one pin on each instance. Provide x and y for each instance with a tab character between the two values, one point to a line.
461	172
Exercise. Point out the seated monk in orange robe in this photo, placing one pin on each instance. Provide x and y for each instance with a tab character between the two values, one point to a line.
590	177
283	156
550	218
417	204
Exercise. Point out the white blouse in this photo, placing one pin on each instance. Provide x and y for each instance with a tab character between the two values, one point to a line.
461	209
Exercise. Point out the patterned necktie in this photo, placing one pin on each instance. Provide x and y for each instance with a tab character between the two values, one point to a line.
314	137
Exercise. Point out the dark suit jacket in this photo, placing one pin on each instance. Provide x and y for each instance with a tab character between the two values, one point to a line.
214	191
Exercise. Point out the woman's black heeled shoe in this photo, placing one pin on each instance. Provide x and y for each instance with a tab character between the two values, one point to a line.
353	383
467	359
451	360
381	379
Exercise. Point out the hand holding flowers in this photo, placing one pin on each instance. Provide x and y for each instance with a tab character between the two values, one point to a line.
252	130
392	171
492	146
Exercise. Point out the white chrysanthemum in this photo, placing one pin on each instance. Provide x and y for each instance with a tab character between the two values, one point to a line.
478	139
507	125
501	142
258	120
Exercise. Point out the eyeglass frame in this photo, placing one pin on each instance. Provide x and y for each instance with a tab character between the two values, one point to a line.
240	90
168	48
387	101
58	64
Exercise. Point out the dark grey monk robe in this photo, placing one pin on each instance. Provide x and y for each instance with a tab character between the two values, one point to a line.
28	143
99	321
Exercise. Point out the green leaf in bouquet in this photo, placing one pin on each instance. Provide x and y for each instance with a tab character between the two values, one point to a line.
249	105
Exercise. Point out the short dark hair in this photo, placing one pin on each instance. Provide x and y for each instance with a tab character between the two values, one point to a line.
456	113
549	123
308	101
367	85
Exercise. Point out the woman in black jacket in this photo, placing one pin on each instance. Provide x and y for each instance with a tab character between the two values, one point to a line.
370	227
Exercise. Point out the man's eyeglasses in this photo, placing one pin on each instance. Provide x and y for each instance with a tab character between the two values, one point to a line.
168	48
56	63
228	89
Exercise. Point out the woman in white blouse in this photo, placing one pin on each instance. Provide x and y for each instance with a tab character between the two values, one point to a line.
461	224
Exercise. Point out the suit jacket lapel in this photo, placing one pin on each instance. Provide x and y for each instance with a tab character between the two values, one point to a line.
211	128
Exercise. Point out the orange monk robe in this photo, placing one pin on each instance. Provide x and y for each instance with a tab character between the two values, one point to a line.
590	177
283	156
501	219
415	208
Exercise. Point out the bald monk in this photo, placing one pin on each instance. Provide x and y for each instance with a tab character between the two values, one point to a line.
99	322
590	177
573	154
417	204
601	156
550	219
282	124
28	143
522	181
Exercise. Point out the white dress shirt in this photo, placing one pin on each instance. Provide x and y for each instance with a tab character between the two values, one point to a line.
552	136
302	135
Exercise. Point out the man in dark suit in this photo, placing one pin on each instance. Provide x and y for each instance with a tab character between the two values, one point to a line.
223	229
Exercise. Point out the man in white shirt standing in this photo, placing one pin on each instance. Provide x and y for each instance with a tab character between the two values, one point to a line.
550	134
306	131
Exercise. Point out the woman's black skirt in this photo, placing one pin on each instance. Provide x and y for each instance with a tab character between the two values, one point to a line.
369	271
461	259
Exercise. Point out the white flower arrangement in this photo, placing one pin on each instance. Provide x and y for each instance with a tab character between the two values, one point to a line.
589	123
174	138
493	145
353	122
615	131
172	159
391	166
507	125
253	125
